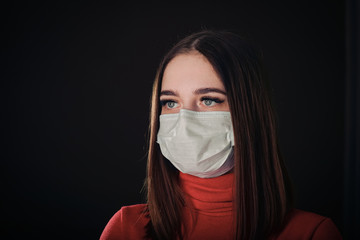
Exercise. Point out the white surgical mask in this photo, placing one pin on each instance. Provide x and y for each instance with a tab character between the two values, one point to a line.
198	143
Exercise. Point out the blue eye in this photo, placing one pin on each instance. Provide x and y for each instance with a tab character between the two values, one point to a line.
169	104
209	102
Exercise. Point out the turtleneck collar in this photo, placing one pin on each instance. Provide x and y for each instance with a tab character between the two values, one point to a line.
210	196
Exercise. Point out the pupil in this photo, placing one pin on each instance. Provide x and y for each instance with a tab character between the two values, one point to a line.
207	102
171	104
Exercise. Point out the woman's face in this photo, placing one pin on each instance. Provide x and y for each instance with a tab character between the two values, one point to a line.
190	82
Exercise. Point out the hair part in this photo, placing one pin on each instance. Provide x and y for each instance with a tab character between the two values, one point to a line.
262	194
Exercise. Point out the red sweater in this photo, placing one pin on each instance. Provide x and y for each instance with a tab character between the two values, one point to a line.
212	202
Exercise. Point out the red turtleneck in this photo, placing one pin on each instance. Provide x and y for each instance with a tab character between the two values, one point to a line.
209	216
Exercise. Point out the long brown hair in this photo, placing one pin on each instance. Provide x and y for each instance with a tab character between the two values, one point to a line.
262	193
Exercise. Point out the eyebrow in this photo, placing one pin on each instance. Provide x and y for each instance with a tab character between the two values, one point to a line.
168	93
197	91
208	90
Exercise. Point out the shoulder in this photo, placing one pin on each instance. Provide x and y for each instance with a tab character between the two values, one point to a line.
307	225
127	223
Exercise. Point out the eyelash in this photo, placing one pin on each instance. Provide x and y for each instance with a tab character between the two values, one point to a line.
216	100
164	102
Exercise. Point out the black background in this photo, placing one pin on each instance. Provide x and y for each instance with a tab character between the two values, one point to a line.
75	86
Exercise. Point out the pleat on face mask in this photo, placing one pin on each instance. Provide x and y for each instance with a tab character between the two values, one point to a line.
197	143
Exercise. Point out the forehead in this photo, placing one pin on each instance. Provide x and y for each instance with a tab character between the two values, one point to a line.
190	70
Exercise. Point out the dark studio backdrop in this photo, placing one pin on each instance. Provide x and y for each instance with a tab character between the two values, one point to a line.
76	80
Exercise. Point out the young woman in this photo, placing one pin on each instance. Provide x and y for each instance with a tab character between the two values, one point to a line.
214	168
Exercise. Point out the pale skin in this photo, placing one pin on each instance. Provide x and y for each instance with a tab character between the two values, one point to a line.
190	82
